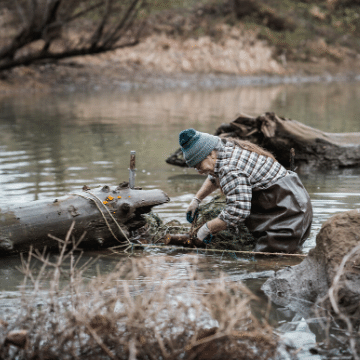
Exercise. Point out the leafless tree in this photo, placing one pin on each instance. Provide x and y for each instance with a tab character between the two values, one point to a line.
34	30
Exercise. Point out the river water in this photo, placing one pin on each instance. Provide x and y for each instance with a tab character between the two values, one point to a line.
52	144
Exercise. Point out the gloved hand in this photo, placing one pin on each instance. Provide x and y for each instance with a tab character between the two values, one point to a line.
192	210
204	234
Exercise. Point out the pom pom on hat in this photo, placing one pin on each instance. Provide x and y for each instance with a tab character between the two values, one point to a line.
196	146
185	136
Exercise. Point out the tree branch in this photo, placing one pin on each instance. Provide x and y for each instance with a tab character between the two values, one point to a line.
84	12
99	31
50	12
43	23
27	60
20	11
126	27
33	4
110	38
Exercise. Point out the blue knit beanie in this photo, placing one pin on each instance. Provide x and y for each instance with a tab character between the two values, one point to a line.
196	145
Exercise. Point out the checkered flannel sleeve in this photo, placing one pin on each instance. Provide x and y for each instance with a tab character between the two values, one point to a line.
237	189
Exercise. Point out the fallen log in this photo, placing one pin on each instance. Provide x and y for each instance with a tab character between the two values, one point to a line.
314	149
108	215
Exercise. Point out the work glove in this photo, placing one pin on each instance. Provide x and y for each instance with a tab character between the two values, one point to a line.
193	209
204	234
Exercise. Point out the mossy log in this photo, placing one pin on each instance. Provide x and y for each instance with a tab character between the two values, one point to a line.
99	212
314	149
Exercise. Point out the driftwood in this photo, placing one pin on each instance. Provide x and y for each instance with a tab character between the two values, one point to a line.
314	149
107	215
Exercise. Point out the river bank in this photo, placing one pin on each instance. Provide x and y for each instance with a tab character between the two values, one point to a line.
161	62
208	44
71	76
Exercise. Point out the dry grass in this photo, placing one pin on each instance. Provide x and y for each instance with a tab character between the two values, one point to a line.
340	306
139	311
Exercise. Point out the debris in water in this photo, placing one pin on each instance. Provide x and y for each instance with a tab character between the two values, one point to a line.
175	233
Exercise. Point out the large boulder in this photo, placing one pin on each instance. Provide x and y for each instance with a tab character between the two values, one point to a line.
334	264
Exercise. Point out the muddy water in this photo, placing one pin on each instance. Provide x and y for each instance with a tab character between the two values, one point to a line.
53	144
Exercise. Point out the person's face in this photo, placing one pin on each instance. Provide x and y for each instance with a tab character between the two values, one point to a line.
207	166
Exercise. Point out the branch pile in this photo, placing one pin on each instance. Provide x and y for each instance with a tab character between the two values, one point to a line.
174	233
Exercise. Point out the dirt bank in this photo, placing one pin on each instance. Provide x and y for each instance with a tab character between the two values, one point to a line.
330	272
161	62
205	46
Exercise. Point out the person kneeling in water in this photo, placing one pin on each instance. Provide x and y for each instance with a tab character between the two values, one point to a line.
260	192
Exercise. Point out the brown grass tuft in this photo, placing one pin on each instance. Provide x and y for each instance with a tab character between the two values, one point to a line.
139	311
340	306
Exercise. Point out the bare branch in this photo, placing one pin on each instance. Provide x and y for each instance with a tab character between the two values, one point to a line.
47	18
125	28
99	31
32	11
20	11
111	36
84	12
50	12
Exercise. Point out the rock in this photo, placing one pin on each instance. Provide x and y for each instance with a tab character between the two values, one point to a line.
333	264
302	339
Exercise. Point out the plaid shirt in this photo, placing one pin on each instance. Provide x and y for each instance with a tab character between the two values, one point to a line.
238	172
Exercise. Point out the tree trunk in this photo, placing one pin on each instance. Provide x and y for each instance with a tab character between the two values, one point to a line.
25	225
314	149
